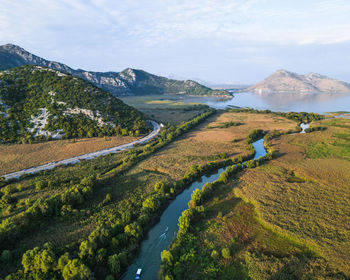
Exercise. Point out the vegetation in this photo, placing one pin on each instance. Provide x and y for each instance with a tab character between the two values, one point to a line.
226	124
222	237
14	157
297	116
28	92
87	221
305	194
69	198
165	109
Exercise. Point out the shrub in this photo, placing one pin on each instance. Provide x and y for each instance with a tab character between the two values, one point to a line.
225	252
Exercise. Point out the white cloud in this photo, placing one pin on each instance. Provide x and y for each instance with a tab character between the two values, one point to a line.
159	34
154	22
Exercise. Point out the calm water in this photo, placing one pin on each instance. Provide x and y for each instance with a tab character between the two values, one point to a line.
163	233
284	102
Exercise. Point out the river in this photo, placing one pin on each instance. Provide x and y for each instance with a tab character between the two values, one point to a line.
163	233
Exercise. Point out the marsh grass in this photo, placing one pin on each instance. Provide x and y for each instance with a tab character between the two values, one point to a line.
305	193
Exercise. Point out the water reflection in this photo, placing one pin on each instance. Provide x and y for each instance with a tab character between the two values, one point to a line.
281	101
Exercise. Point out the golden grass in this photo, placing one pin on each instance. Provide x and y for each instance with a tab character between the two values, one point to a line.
197	146
168	164
306	194
20	156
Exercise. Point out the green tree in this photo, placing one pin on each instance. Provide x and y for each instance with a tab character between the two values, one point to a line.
225	252
86	249
76	270
6	256
114	264
166	257
62	261
214	254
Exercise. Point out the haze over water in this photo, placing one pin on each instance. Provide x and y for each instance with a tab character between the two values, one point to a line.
297	102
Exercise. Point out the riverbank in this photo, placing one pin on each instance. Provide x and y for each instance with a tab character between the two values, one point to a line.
233	239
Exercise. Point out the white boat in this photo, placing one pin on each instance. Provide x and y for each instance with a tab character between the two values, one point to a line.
138	273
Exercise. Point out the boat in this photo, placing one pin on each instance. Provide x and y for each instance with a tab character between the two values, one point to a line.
138	273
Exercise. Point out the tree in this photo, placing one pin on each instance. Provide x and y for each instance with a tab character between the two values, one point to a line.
63	261
114	264
76	270
45	261
166	257
86	249
225	252
28	259
214	254
133	229
6	256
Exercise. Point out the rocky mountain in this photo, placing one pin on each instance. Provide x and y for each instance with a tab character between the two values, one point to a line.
128	82
286	81
37	103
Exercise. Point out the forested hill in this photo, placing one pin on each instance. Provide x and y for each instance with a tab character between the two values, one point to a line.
38	103
128	82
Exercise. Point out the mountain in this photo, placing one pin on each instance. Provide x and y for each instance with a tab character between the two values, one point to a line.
38	103
285	81
128	82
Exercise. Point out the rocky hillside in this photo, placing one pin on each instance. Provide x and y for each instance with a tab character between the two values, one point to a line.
127	82
285	81
37	103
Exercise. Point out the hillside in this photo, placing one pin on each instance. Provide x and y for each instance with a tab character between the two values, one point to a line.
40	103
285	81
128	82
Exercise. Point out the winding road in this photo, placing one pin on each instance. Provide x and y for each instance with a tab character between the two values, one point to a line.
74	160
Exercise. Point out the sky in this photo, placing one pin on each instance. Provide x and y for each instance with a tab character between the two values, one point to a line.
217	41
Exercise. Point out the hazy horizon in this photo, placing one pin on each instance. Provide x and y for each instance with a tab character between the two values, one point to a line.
218	42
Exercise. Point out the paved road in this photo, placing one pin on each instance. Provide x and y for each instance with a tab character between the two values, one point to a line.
74	160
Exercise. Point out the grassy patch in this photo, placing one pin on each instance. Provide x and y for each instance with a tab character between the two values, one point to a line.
305	192
20	156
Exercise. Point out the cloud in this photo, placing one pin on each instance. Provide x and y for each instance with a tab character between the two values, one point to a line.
175	35
155	22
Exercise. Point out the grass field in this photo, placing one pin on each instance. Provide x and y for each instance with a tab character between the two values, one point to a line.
20	156
305	193
168	164
286	219
165	108
255	251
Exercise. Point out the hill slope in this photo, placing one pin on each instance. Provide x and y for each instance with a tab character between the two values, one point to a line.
128	82
285	81
37	102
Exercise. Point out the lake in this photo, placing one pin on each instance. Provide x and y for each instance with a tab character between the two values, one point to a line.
285	102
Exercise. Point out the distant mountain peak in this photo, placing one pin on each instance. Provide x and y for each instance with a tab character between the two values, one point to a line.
10	46
127	82
283	71
286	81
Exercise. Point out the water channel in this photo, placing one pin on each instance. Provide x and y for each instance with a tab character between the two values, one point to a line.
163	233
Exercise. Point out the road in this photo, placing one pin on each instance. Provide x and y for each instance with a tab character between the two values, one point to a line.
74	160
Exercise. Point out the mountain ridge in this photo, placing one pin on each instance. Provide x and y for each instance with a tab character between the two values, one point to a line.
127	82
38	103
286	81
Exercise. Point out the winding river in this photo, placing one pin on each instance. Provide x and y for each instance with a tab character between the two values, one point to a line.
163	233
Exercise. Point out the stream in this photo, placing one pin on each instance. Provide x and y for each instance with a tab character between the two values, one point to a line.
163	233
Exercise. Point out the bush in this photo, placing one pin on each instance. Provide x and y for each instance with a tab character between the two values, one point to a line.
214	255
225	252
6	256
